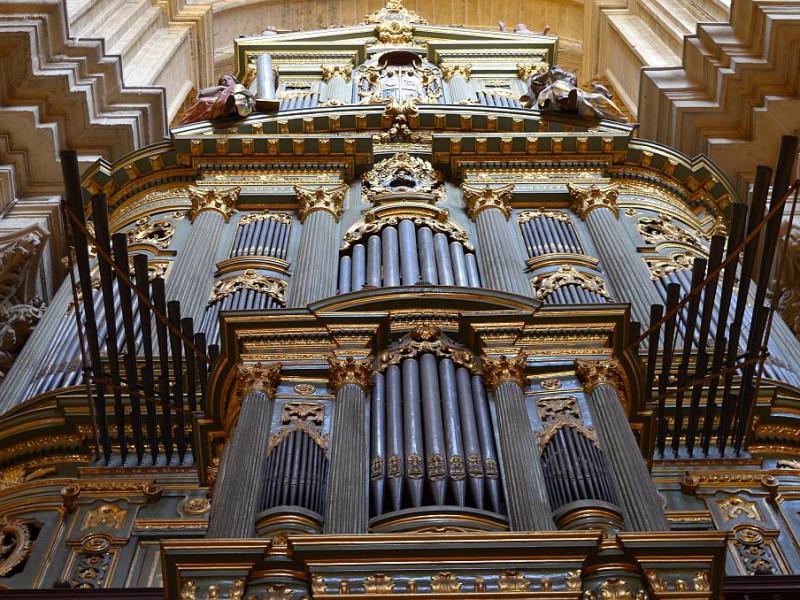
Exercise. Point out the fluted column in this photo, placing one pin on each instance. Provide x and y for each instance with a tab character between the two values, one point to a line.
457	76
337	91
347	500
602	384
237	490
627	274
316	265
501	261
528	507
190	278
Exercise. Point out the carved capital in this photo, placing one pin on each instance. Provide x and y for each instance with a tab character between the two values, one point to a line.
259	378
349	370
525	72
450	71
221	201
585	200
480	199
592	373
313	199
330	71
504	368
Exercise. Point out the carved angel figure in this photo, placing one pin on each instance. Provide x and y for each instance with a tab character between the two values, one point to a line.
227	98
557	89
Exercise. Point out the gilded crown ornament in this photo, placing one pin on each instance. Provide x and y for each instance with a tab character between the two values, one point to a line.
213	199
585	200
350	371
480	199
320	199
497	370
592	373
394	23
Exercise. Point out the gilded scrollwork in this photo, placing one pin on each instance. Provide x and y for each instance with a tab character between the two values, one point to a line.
734	507
513	581
213	199
497	370
16	544
250	279
661	229
402	173
394	23
456	70
544	285
365	228
313	412
107	515
529	215
585	200
250	218
551	428
19	474
479	199
427	339
330	71
661	266
312	200
307	427
550	409
378	584
445	583
156	233
387	82
195	506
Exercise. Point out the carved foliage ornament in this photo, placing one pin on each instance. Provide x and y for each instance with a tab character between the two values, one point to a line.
214	199
156	233
428	339
313	412
316	199
450	71
585	200
544	285
258	377
249	280
15	544
402	173
350	371
657	230
502	369
662	266
330	71
445	583
595	372
107	515
250	218
450	228
530	215
477	200
734	507
394	23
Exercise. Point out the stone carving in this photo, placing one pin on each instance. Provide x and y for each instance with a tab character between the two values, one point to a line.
227	98
585	200
657	230
315	199
350	371
445	583
477	200
544	285
214	199
313	412
15	544
108	515
156	233
504	368
662	266
249	280
557	89
378	584
402	174
734	507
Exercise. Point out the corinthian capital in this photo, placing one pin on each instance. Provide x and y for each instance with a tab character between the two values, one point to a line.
349	370
585	200
504	368
450	71
259	378
221	201
331	71
592	373
480	199
313	199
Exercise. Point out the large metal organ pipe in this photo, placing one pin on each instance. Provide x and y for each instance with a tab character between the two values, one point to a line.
407	255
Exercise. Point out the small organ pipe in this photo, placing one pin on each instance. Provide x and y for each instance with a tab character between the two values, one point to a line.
378	442
486	437
443	265
472	449
394	419
452	429
359	267
427	256
459	264
434	431
391	257
412	422
374	261
472	270
345	274
409	262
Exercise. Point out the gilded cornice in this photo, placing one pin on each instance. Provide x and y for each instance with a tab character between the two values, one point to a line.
311	200
585	200
349	370
497	370
477	200
213	199
592	373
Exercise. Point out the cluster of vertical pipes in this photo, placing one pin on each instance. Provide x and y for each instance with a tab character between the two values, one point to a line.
487	98
265	237
432	439
407	255
296	474
298	100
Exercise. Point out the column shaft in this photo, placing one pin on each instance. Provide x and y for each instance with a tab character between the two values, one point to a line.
241	473
339	90
460	90
347	505
501	262
637	494
528	507
315	268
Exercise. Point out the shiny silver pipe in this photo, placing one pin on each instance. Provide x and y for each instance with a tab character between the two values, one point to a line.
427	256
409	261
391	257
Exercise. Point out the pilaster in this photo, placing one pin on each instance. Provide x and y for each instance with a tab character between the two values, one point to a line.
457	76
337	91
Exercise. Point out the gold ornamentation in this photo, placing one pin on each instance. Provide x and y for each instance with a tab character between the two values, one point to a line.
258	377
250	218
592	373
585	200
109	515
215	199
318	585
655	582
414	468
188	590
316	199
441	347
237	589
436	470
615	589
502	369
213	592
304	389
550	384
250	279
195	506
547	585
513	581
556	215
400	114
331	71
156	233
394	24
366	228
313	412
477	200
701	582
544	285
402	173
661	266
350	371
734	507
450	71
15	544
19	474
378	584
445	583
550	409
279	592
657	230
526	72
553	427
788	464
573	580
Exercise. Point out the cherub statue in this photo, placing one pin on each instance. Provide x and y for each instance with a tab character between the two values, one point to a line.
227	98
